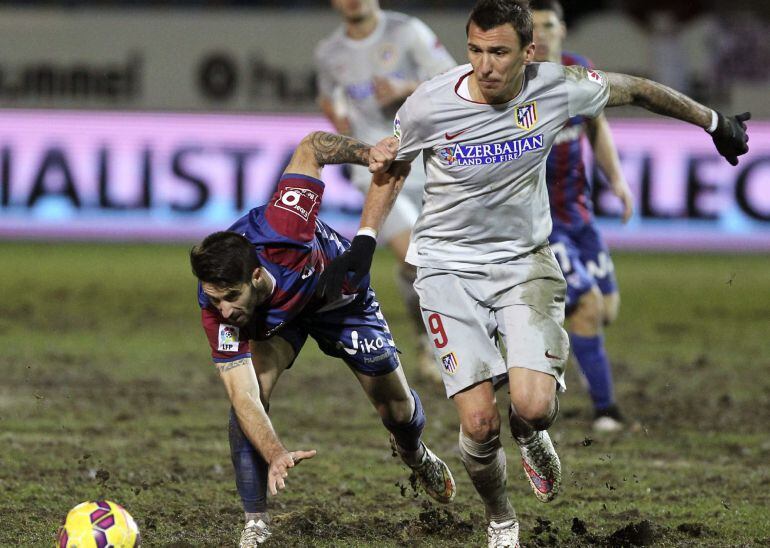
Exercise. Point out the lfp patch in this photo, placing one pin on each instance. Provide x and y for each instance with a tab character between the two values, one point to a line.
228	338
449	363
299	201
526	115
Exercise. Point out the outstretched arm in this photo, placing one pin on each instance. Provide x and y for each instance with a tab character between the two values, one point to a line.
655	97
320	148
600	137
728	132
243	390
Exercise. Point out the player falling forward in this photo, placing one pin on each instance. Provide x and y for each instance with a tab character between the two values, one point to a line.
256	293
592	291
366	69
481	242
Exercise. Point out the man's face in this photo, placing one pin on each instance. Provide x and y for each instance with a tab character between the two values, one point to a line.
549	33
236	303
497	59
354	11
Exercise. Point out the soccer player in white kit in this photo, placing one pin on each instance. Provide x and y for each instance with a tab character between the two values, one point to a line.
485	269
366	69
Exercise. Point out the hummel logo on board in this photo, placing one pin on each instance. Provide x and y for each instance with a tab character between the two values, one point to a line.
450	136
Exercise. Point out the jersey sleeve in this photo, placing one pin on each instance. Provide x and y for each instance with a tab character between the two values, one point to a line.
293	209
406	130
227	342
587	91
428	52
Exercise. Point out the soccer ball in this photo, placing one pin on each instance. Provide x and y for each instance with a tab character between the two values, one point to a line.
99	524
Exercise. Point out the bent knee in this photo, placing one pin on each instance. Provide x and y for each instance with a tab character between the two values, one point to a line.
481	426
538	413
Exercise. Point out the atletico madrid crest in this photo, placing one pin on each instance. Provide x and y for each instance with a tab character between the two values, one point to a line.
449	363
526	115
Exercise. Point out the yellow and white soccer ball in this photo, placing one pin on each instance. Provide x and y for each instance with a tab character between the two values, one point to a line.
98	524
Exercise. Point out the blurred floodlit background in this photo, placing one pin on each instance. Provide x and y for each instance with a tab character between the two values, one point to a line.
164	120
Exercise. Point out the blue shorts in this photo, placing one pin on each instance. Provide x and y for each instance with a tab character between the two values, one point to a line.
584	260
357	333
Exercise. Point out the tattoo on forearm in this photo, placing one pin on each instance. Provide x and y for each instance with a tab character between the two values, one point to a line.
224	367
330	148
655	97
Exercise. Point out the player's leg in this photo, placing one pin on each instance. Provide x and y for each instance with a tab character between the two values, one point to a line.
594	310
359	335
402	414
269	358
463	337
530	316
482	452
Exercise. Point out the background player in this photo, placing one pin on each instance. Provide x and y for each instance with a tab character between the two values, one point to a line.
592	292
366	69
482	236
256	293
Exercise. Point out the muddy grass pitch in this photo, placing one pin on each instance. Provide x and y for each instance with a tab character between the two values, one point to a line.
107	391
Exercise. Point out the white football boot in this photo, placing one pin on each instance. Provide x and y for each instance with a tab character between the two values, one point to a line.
503	535
254	533
608	420
542	465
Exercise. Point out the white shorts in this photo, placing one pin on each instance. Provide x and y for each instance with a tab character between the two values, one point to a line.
467	313
407	206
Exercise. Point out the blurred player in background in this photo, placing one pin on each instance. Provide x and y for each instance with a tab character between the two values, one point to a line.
257	296
592	291
366	69
481	243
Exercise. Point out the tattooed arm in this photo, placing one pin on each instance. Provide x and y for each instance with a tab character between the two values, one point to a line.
727	132
655	97
321	148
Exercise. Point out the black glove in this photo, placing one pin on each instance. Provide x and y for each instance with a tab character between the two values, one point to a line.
357	259
730	136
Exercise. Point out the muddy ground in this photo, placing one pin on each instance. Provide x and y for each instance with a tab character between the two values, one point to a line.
107	391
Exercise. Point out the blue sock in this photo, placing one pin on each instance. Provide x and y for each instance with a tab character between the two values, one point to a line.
408	434
592	358
250	469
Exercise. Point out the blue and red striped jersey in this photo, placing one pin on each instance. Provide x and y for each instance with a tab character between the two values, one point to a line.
294	247
569	190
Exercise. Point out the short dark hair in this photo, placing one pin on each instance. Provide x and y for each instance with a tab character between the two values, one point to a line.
488	14
548	5
224	259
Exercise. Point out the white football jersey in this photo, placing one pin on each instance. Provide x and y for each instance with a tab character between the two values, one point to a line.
485	198
401	48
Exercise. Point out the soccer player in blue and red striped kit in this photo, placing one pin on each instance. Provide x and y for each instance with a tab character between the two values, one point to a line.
257	284
592	291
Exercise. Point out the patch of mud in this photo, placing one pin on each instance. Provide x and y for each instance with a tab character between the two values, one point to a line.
695	530
643	533
312	525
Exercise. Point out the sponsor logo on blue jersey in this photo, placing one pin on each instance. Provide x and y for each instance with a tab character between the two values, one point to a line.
489	153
